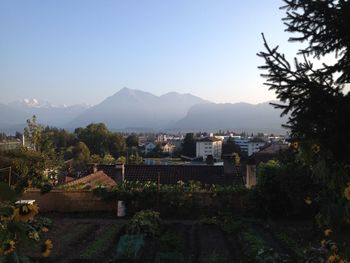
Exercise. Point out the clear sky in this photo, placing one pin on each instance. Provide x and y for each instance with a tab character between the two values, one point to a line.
81	51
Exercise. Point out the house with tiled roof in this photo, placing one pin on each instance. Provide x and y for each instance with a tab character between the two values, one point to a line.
170	174
93	180
168	147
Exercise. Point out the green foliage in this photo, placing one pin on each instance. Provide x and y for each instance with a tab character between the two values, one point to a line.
135	159
17	228
314	98
27	165
145	222
94	158
230	147
121	159
132	140
108	159
81	152
254	247
33	132
101	141
117	145
189	145
96	137
282	189
191	199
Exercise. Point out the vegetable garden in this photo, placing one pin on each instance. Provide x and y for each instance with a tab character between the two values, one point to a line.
147	238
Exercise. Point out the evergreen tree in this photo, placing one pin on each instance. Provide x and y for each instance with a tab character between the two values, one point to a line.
230	147
189	145
314	97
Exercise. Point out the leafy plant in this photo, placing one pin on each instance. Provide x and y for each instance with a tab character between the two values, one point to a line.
144	222
19	225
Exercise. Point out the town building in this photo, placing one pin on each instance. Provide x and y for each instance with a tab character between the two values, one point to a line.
250	146
168	148
209	146
149	147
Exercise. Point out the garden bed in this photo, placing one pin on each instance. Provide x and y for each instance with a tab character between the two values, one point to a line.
236	240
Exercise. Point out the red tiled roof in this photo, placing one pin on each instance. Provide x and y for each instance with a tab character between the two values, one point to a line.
209	139
95	179
170	174
68	179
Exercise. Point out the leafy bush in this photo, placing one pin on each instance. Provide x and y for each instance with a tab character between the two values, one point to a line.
282	189
144	222
192	199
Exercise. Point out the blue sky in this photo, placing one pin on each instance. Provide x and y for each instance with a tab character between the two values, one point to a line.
69	52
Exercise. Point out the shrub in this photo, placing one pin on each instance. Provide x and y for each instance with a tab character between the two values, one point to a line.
144	222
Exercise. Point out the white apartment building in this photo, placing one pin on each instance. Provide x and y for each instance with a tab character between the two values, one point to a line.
250	146
209	146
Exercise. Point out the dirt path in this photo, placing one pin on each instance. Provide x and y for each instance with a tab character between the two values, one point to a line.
212	245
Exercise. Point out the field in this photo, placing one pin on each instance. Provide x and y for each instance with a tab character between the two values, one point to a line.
91	239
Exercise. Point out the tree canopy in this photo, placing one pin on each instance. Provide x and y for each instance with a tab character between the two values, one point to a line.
314	97
33	132
95	136
189	145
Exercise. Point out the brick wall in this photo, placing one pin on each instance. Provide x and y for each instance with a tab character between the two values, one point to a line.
69	201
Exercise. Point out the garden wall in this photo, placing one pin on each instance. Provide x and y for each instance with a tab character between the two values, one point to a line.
169	204
69	201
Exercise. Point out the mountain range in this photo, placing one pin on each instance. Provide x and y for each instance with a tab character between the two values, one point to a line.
136	110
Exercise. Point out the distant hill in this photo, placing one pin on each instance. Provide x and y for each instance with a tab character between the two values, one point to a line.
237	116
136	111
136	108
13	116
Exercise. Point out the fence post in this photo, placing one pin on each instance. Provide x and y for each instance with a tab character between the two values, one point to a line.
10	175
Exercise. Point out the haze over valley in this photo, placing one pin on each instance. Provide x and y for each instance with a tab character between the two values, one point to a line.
136	110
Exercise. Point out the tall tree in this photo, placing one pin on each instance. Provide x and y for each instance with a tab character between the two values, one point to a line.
132	140
117	145
33	132
314	96
230	147
96	136
189	145
81	152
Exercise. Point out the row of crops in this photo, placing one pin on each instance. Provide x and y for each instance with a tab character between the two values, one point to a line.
146	238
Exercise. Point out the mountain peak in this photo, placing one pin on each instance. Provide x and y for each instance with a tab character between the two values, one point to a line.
125	89
31	102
